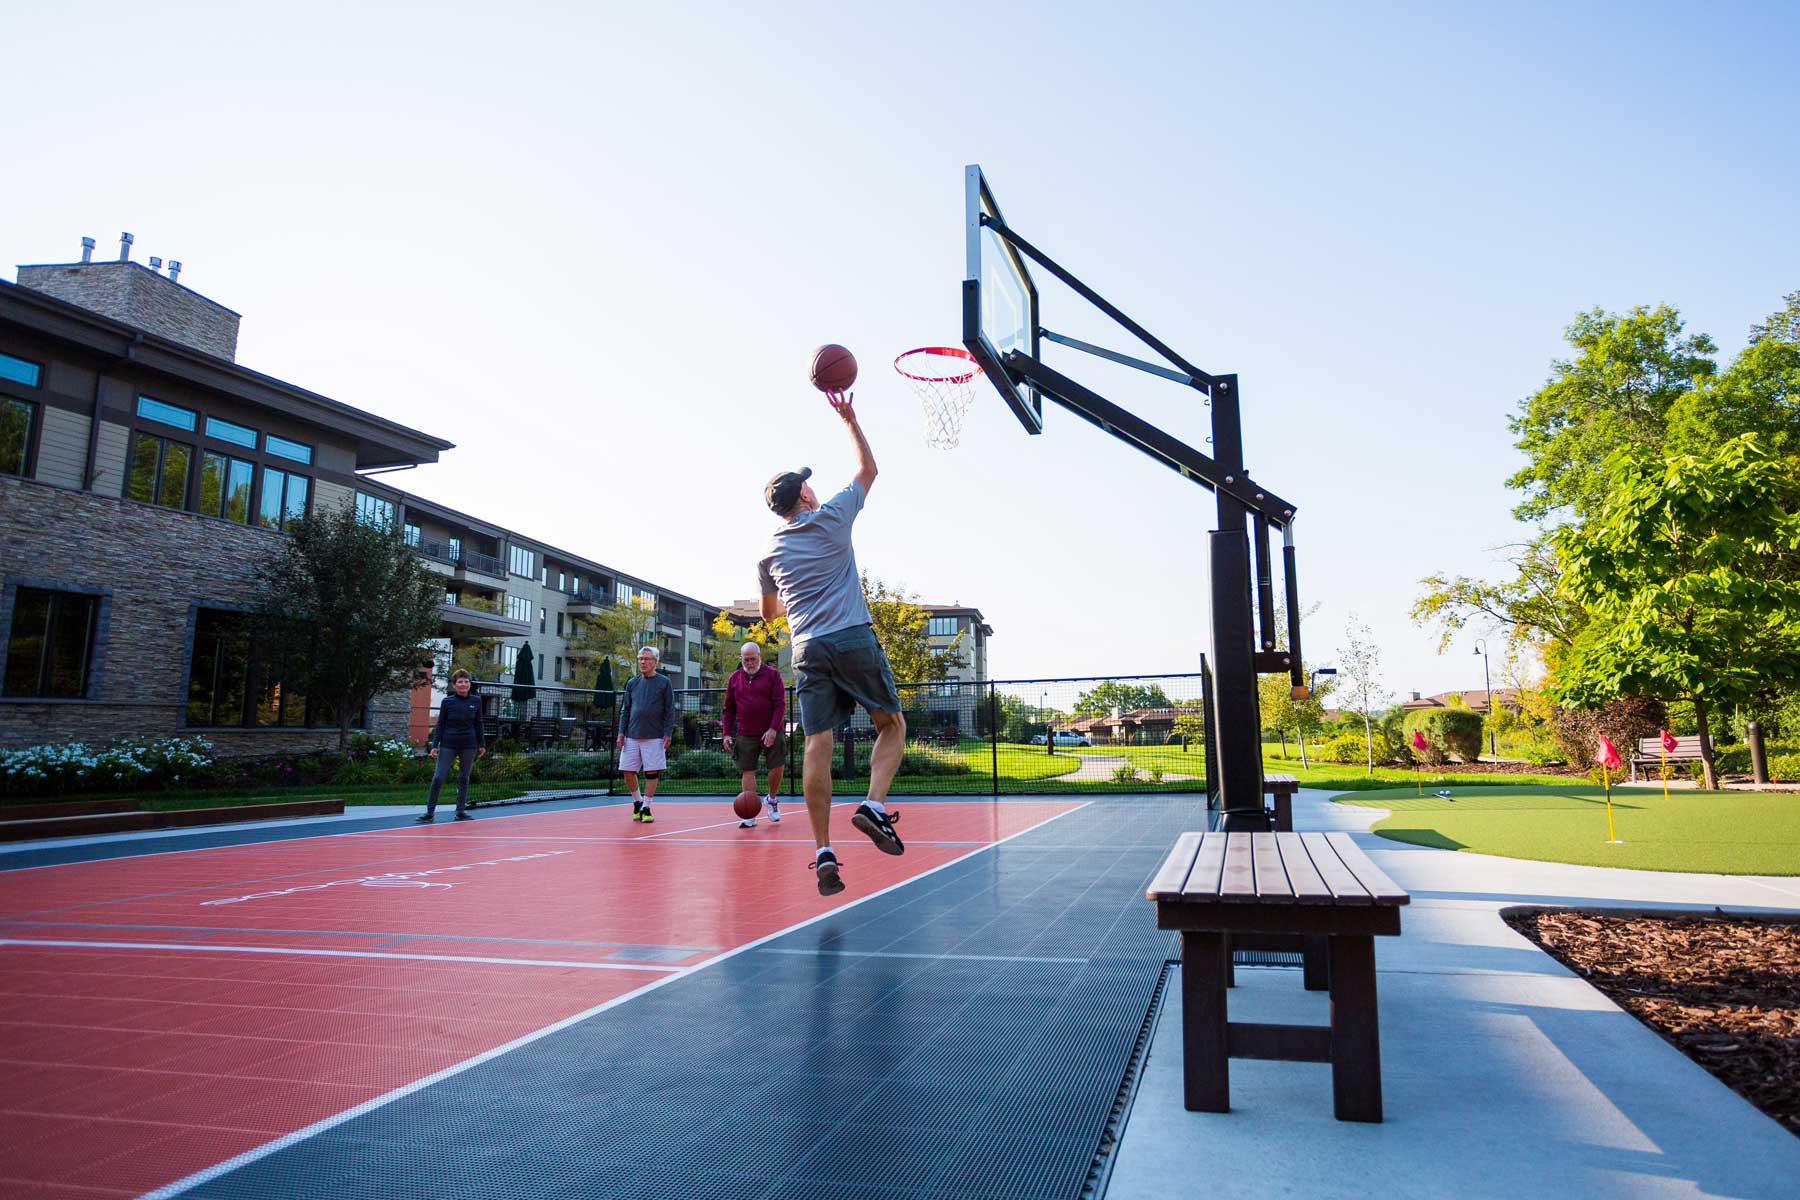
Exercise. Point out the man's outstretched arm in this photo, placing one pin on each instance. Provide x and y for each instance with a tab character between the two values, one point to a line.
843	403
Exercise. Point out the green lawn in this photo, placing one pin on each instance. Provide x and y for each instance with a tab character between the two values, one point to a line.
1340	777
1729	833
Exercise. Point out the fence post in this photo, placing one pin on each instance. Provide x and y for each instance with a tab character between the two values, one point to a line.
612	742
994	735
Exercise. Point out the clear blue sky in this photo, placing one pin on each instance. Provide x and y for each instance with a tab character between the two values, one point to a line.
594	245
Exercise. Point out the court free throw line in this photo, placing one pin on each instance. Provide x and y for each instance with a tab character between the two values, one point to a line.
169	1191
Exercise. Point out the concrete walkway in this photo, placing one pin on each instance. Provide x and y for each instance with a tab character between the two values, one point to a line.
1503	1073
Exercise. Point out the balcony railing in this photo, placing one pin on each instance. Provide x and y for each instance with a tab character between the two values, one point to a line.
588	596
440	552
487	564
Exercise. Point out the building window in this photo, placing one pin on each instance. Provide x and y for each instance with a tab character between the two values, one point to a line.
20	370
624	593
519	561
51	644
452	597
544	576
574	583
518	608
559	624
283	498
159	471
16	417
456	549
413	535
540	670
562	581
941	627
559	668
225	431
225	486
543	620
293	451
241	675
166	414
373	510
509	659
693	652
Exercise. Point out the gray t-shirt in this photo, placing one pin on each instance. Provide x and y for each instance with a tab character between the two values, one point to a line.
811	565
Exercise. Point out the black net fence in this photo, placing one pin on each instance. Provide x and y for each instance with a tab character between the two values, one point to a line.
1130	733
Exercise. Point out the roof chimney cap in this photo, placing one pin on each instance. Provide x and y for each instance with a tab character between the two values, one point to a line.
125	240
174	269
155	263
87	249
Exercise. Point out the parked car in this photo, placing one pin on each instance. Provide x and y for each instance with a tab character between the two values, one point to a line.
1064	737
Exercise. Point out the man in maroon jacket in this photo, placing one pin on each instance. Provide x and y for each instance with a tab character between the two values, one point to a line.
755	722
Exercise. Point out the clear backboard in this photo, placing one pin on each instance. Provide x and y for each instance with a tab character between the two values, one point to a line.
1000	303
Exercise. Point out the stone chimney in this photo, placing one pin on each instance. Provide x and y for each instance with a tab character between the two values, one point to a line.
139	296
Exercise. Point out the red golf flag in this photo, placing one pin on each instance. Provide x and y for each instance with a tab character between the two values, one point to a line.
1606	756
1668	741
1418	741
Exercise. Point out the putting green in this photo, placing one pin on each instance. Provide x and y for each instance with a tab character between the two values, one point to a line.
1728	833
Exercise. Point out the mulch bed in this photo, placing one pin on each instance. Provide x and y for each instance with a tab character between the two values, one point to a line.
1725	990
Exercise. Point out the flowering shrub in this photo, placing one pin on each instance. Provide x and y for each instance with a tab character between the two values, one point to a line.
118	767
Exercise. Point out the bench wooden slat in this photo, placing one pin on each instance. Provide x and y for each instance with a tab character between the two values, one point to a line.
1203	881
1372	877
1309	888
1174	872
1238	884
1271	877
1277	782
1345	890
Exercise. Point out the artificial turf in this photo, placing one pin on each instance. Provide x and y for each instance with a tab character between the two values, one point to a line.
1727	833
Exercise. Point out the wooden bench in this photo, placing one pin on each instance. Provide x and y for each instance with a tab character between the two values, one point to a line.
543	732
1215	887
1280	789
1650	753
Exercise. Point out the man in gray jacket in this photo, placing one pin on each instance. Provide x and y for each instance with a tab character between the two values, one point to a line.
646	724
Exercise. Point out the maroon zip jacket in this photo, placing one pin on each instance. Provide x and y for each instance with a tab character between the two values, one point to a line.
757	705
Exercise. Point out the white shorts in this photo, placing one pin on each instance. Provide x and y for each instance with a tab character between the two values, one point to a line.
642	754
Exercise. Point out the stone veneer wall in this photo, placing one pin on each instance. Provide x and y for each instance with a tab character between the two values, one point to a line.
157	563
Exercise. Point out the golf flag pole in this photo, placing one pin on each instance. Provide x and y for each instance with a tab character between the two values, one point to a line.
1418	742
1668	744
1608	758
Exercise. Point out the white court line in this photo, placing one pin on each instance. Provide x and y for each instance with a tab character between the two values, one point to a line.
214	948
207	1175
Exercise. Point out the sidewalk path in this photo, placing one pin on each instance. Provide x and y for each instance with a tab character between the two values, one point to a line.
1503	1073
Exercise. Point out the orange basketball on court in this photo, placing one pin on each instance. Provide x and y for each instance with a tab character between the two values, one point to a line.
833	368
747	805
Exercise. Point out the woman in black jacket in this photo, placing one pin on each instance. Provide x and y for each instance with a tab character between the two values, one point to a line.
457	736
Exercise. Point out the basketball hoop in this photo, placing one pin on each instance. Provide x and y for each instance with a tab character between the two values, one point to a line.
943	377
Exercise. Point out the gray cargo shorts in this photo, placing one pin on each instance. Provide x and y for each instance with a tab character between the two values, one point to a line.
834	672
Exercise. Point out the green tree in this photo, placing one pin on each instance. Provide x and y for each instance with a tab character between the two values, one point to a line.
1616	392
1691	570
475	655
1190	727
617	633
1359	669
360	600
727	642
1110	694
901	626
1758	393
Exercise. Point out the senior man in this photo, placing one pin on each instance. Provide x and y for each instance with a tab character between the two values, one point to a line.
755	725
646	725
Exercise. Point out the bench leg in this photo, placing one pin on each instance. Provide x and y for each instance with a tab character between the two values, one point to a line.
1284	812
1315	960
1355	1030
1206	1078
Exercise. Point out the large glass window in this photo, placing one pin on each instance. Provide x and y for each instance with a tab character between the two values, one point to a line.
159	470
16	417
283	498
294	451
518	608
413	535
941	627
509	659
225	431
519	560
51	643
166	414
225	486
241	675
373	510
20	370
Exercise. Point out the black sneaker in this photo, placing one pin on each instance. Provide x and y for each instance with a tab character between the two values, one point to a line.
826	867
426	819
464	817
880	828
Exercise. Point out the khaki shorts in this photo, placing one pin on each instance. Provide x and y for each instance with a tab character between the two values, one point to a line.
745	751
834	672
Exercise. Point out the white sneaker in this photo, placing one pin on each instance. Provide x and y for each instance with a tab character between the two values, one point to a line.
750	824
774	811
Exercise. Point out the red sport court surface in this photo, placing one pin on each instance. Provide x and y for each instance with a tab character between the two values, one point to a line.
162	1014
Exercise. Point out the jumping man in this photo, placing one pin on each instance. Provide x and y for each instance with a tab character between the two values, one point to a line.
809	573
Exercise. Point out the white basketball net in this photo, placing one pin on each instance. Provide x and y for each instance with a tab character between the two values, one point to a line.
943	378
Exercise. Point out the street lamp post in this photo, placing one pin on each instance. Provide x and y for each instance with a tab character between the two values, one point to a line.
1488	689
1049	729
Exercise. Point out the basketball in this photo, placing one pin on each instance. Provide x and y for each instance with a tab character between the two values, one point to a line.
747	805
833	368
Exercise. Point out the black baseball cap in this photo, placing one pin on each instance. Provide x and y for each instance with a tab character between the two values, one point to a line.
783	491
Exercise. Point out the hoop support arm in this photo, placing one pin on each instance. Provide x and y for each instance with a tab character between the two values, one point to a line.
1128	427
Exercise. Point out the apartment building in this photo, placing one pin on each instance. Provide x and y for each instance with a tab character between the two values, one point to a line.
143	475
944	624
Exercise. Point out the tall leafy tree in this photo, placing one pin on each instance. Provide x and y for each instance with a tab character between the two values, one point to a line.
1109	694
1758	393
616	633
359	600
902	627
1691	571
